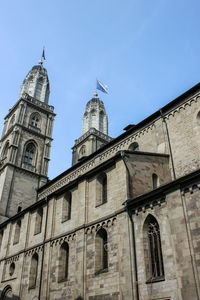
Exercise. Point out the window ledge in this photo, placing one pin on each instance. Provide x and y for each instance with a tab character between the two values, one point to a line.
68	219
32	287
101	271
37	233
101	204
155	279
63	280
15	243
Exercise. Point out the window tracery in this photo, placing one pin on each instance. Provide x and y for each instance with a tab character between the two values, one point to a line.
153	249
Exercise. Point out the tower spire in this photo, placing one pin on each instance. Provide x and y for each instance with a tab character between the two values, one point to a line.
42	57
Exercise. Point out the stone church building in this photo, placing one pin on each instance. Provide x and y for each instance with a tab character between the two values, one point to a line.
123	223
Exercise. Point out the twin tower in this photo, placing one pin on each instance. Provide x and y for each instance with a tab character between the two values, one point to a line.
26	141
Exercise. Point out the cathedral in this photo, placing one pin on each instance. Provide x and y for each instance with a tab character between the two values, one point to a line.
122	223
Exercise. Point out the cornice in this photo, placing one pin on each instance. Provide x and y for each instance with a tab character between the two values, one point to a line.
94	132
120	143
35	103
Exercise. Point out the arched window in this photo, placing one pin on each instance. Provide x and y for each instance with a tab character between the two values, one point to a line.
153	249
134	147
34	120
101	116
38	220
5	150
38	89
155	181
33	271
47	94
30	154
12	120
17	232
101	189
12	268
63	262
198	118
101	251
82	152
66	206
7	293
93	118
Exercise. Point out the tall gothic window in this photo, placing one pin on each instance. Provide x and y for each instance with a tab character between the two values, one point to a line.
63	270
5	150
155	181
38	89
82	151
30	152
12	120
93	118
17	232
33	271
101	116
153	249
101	251
101	189
66	206
38	220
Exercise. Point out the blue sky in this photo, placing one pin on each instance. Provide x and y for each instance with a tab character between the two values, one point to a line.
146	51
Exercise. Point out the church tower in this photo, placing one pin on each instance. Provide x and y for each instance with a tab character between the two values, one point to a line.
25	144
94	130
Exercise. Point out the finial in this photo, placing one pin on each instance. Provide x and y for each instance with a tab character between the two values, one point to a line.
95	94
40	62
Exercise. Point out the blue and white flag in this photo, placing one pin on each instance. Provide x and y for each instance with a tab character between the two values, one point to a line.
102	87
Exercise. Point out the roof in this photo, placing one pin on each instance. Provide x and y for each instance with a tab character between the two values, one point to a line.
129	130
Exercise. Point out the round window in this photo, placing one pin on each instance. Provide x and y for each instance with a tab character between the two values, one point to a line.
12	269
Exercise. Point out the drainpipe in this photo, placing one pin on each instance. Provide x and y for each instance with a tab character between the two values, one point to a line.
129	194
170	148
42	262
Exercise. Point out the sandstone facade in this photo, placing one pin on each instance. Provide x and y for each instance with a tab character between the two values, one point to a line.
121	223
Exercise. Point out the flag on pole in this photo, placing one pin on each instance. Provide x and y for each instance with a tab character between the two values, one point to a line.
43	53
102	87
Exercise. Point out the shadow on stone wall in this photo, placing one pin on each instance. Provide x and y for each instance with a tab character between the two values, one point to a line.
7	294
79	298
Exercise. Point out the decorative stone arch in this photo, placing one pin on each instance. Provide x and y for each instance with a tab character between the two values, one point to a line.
7	293
35	119
134	147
